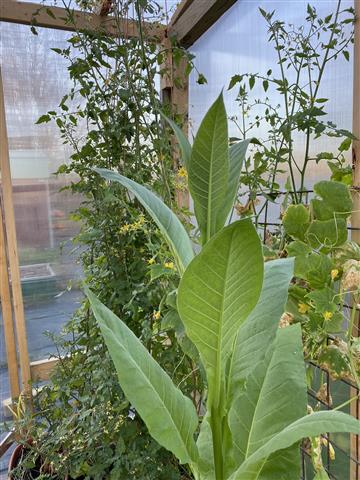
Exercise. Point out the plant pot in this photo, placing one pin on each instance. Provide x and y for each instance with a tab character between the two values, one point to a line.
15	459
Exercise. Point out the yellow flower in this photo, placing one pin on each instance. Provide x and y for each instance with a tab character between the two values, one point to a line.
125	228
182	172
169	265
328	315
156	315
334	273
303	308
151	261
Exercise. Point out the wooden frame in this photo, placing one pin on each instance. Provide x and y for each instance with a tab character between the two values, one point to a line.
7	315
58	18
12	252
193	18
355	218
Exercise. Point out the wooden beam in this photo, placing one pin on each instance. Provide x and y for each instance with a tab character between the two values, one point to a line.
194	17
72	20
41	370
355	217
7	317
11	242
174	88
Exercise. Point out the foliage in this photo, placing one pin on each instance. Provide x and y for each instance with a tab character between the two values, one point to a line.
326	269
110	119
304	54
316	234
255	413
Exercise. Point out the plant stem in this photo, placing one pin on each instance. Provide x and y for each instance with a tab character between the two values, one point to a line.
313	97
216	427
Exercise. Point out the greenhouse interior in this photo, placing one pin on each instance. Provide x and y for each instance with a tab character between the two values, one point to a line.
180	239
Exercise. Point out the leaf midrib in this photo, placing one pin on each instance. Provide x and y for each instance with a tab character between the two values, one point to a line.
209	199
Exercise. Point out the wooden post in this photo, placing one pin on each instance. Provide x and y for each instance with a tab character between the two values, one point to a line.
175	92
355	218
6	308
11	242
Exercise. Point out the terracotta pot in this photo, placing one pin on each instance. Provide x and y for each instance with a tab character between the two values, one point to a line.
16	457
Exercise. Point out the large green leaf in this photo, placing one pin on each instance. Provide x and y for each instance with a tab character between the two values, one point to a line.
325	235
237	154
184	143
168	223
296	221
309	426
170	416
264	409
259	329
218	291
209	169
335	200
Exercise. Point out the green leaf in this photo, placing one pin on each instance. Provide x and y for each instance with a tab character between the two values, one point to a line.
259	329
328	234
218	291
346	55
168	223
209	169
345	145
184	143
264	410
309	426
234	80
43	119
297	248
322	300
335	200
170	416
296	221
237	154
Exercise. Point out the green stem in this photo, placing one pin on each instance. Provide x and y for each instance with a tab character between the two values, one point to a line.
216	427
313	97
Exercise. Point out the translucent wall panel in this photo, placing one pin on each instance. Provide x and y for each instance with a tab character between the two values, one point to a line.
35	79
238	43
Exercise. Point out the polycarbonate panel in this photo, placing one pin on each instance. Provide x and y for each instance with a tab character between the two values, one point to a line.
35	79
238	43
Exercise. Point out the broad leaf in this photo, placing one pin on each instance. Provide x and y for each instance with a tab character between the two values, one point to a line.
170	416
237	154
264	409
309	426
209	169
335	200
327	234
296	221
184	143
260	328
168	223
218	291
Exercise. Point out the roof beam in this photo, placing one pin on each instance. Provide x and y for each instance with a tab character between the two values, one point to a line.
72	20
194	17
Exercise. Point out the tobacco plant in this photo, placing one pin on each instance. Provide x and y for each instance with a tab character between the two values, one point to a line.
230	304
